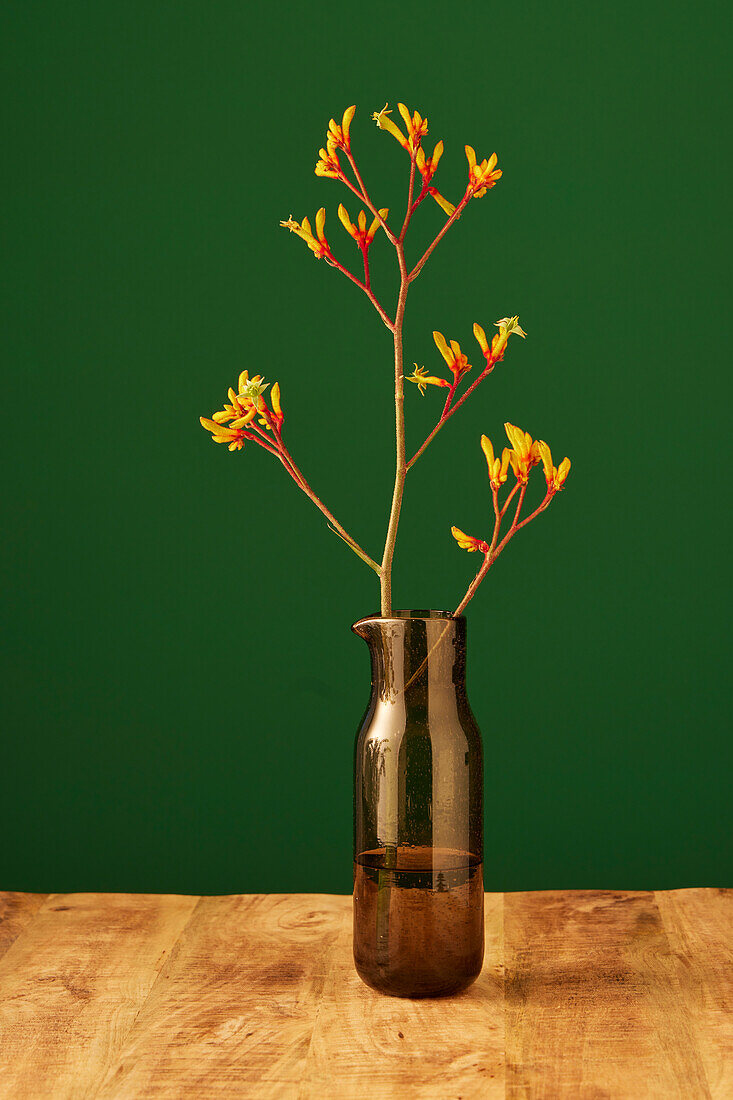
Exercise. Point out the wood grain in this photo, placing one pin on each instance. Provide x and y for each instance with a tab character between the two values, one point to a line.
72	983
593	1004
699	927
16	911
585	994
233	1012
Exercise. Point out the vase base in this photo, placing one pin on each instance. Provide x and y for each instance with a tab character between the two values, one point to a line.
418	925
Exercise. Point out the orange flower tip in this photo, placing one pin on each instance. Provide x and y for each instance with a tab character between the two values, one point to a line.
290	224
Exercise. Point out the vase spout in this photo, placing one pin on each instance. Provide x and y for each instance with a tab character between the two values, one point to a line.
411	648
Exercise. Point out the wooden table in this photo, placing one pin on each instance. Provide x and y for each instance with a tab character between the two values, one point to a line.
583	994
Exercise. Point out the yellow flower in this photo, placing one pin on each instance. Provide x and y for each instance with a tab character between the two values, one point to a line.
524	454
360	233
481	338
454	357
245	405
507	326
498	467
426	167
481	176
422	379
276	407
417	127
469	542
442	202
554	475
338	136
318	244
510	326
240	403
328	164
233	436
251	388
384	122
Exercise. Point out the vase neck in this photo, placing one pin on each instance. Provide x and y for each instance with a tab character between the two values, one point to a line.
415	653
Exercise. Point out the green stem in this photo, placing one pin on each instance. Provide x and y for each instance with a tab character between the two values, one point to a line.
400	463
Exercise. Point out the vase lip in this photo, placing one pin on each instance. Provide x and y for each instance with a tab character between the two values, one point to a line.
410	615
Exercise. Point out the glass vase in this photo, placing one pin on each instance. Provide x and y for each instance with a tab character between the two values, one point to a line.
418	811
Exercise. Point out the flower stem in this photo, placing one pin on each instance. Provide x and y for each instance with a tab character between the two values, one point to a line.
494	551
365	286
410	192
448	412
364	196
298	477
400	464
454	217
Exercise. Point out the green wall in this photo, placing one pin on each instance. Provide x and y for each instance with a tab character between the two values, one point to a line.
181	685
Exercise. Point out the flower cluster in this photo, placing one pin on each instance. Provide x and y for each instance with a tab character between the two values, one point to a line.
522	455
416	125
483	176
458	363
337	137
427	168
359	232
417	128
247	409
507	326
498	467
554	475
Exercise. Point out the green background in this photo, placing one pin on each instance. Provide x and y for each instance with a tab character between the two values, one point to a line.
182	688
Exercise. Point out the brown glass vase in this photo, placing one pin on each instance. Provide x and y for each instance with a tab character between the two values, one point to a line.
418	811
